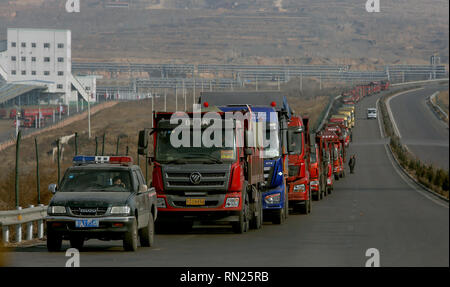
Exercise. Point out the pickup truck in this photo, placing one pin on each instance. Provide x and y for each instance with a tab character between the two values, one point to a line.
101	197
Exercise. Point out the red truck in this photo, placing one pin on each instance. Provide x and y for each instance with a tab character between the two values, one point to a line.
217	184
298	180
45	111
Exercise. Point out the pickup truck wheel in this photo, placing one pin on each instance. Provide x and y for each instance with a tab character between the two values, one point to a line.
54	242
146	234
131	238
76	242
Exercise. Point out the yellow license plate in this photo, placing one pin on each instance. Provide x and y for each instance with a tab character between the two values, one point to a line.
195	201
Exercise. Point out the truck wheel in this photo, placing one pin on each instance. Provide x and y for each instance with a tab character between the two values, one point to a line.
257	221
336	177
54	242
242	225
329	190
131	238
76	242
278	216
146	234
286	206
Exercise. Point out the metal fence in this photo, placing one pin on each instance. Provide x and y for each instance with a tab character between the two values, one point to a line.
18	218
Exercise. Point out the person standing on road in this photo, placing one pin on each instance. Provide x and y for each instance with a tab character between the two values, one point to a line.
351	163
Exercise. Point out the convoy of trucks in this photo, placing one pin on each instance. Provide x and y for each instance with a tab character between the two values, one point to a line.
238	159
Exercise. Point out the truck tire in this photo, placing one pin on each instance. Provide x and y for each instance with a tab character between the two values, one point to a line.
329	189
147	234
54	242
257	221
278	216
76	242
336	177
130	240
286	205
242	225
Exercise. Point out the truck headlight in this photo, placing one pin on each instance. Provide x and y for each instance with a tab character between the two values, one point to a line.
232	202
120	210
56	210
328	180
273	198
161	202
299	188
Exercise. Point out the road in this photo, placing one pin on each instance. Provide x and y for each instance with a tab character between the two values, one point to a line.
373	208
421	131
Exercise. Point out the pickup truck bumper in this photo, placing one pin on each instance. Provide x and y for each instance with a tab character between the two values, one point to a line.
109	227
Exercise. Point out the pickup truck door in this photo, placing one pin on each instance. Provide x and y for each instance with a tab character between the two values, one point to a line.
142	201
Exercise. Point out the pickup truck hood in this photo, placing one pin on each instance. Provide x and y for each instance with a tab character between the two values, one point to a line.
90	199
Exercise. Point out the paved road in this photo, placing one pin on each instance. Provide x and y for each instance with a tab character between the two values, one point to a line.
425	135
374	208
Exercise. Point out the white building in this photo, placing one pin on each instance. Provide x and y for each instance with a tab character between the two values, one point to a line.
43	56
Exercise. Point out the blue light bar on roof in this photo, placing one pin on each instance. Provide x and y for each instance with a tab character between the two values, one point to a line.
81	159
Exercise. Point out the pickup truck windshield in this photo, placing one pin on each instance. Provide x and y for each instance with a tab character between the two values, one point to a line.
92	180
167	153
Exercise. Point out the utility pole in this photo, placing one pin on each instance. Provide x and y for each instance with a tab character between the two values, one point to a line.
89	117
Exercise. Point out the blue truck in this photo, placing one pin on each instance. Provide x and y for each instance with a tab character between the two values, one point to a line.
273	108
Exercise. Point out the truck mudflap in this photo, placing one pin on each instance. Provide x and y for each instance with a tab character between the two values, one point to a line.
271	193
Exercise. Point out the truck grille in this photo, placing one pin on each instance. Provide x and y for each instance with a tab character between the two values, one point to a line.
178	178
88	211
268	174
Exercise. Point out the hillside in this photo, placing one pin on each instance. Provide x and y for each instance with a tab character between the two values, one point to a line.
247	31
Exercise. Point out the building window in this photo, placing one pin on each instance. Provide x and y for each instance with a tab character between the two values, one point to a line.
23	45
13	72
46	73
13	44
23	59
46	45
59	86
33	45
60	73
24	73
33	59
13	58
60	59
33	73
60	45
47	59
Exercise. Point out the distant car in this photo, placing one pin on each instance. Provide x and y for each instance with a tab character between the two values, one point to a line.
371	113
104	198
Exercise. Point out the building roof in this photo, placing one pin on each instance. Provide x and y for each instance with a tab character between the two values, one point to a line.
10	91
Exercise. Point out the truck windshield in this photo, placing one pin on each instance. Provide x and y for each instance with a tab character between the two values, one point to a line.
295	140
271	142
167	153
86	180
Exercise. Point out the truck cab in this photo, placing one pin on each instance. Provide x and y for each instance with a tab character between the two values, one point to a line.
195	181
298	180
101	197
275	193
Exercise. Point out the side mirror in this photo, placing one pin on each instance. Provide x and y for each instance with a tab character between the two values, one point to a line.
142	188
52	188
248	151
143	142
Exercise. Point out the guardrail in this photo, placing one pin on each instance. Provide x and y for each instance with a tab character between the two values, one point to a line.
19	217
436	107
